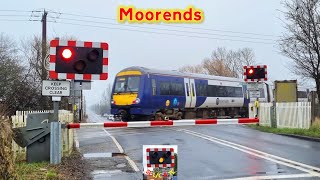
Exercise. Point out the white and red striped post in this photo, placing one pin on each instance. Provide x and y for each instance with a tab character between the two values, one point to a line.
184	122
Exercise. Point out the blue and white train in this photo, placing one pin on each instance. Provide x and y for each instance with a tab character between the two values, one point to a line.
150	94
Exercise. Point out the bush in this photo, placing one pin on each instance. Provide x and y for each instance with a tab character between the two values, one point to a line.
6	154
316	125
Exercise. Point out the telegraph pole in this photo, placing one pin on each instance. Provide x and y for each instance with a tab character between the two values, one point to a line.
44	44
45	100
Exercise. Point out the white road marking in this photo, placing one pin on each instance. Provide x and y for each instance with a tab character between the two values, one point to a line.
115	141
132	163
75	136
300	166
274	177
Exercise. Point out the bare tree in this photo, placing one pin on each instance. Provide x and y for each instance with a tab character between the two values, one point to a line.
224	62
193	69
301	42
16	91
103	106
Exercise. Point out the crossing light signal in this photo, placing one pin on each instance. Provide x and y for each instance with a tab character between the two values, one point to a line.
255	73
78	60
160	157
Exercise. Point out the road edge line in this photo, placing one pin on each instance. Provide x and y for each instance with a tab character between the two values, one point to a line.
130	161
76	141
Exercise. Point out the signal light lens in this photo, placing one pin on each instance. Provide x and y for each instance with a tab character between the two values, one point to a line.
93	55
66	53
168	154
250	71
154	155
161	160
79	66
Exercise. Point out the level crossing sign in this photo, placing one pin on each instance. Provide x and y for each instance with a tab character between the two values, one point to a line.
55	88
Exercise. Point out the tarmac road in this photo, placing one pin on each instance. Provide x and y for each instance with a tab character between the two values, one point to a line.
205	152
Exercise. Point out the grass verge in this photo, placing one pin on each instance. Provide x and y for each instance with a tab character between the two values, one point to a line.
33	171
72	167
312	132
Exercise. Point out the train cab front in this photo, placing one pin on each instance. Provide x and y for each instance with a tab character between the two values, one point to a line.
125	95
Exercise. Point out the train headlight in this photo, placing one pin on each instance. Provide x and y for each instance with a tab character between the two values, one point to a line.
136	101
113	102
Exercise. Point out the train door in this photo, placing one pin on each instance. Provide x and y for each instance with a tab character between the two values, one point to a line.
268	93
193	93
190	92
245	95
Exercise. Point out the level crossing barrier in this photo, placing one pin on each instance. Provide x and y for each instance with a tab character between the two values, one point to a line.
184	122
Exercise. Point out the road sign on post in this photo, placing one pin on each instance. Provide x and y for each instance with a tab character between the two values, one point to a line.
78	60
254	94
55	88
84	85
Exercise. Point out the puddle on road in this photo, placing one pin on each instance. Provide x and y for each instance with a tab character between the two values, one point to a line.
102	155
103	174
97	155
121	165
97	172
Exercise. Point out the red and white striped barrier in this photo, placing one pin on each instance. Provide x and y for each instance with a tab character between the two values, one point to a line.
184	122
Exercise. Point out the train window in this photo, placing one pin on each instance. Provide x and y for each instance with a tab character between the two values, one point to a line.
224	91
127	84
120	85
187	89
133	83
238	92
164	88
176	89
302	94
154	87
211	91
193	93
201	89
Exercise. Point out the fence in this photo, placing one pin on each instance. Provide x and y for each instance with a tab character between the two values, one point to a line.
19	120
288	115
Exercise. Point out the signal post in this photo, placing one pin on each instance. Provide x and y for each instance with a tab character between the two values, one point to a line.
78	61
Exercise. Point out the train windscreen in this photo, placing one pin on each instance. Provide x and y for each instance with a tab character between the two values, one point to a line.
127	84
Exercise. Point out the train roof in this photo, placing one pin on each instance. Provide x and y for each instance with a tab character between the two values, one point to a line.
145	70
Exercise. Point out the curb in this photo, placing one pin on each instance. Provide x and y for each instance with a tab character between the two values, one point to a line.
302	137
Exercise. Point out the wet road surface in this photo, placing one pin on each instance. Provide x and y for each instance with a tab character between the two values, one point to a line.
205	152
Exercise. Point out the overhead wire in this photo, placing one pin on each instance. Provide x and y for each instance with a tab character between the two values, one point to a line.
152	32
172	30
185	27
11	10
124	27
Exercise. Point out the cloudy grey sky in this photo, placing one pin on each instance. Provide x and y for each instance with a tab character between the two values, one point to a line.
156	50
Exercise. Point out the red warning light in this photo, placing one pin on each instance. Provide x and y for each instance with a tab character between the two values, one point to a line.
250	71
67	54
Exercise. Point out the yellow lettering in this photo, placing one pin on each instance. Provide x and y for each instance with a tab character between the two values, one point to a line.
132	15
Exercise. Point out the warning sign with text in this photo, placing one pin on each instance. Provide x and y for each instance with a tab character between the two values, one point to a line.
55	88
